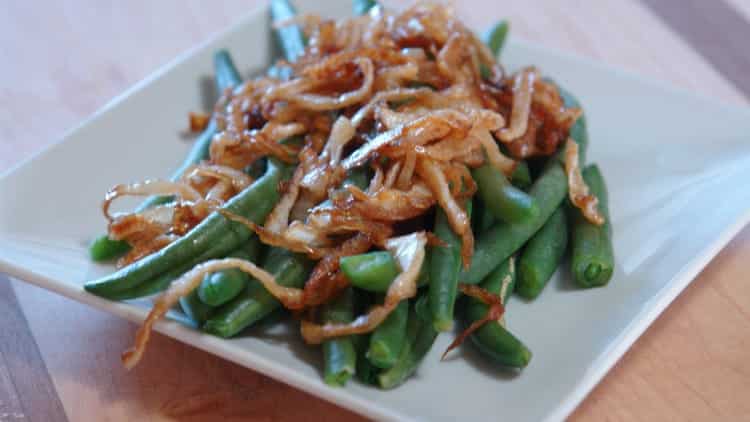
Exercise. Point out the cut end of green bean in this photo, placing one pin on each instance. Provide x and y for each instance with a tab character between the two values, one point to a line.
338	379
527	291
594	275
593	260
218	328
524	357
103	248
592	271
381	355
442	325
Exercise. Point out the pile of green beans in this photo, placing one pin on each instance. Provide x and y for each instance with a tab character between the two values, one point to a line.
523	224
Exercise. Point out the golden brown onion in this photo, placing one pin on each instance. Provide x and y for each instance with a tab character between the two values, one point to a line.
578	191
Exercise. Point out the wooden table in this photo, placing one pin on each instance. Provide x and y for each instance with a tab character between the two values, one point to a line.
60	61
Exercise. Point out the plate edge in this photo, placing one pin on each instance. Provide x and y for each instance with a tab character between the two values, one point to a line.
645	318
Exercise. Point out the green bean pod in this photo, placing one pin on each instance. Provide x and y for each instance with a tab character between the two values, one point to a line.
445	266
372	271
195	309
521	177
421	335
226	75
542	255
482	218
254	303
214	233
362	7
162	281
222	286
103	248
339	354
593	259
495	37
291	39
504	200
503	239
389	338
492	339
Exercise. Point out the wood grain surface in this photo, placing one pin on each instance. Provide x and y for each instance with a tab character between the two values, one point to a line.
60	61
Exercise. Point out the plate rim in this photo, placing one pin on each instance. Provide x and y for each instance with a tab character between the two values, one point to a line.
605	361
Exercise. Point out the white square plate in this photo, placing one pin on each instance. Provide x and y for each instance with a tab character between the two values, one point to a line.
676	167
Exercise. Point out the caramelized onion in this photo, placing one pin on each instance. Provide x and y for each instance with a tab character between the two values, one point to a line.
523	90
398	94
198	121
148	188
435	179
322	103
391	204
578	191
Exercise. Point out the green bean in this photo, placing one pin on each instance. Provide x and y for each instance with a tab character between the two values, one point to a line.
495	37
366	372
492	339
222	286
195	309
424	272
504	200
593	260
226	75
373	271
254	303
542	255
389	337
482	218
103	248
362	7
213	233
358	177
161	282
339	355
445	266
503	239
421	335
422	307
290	37
521	177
